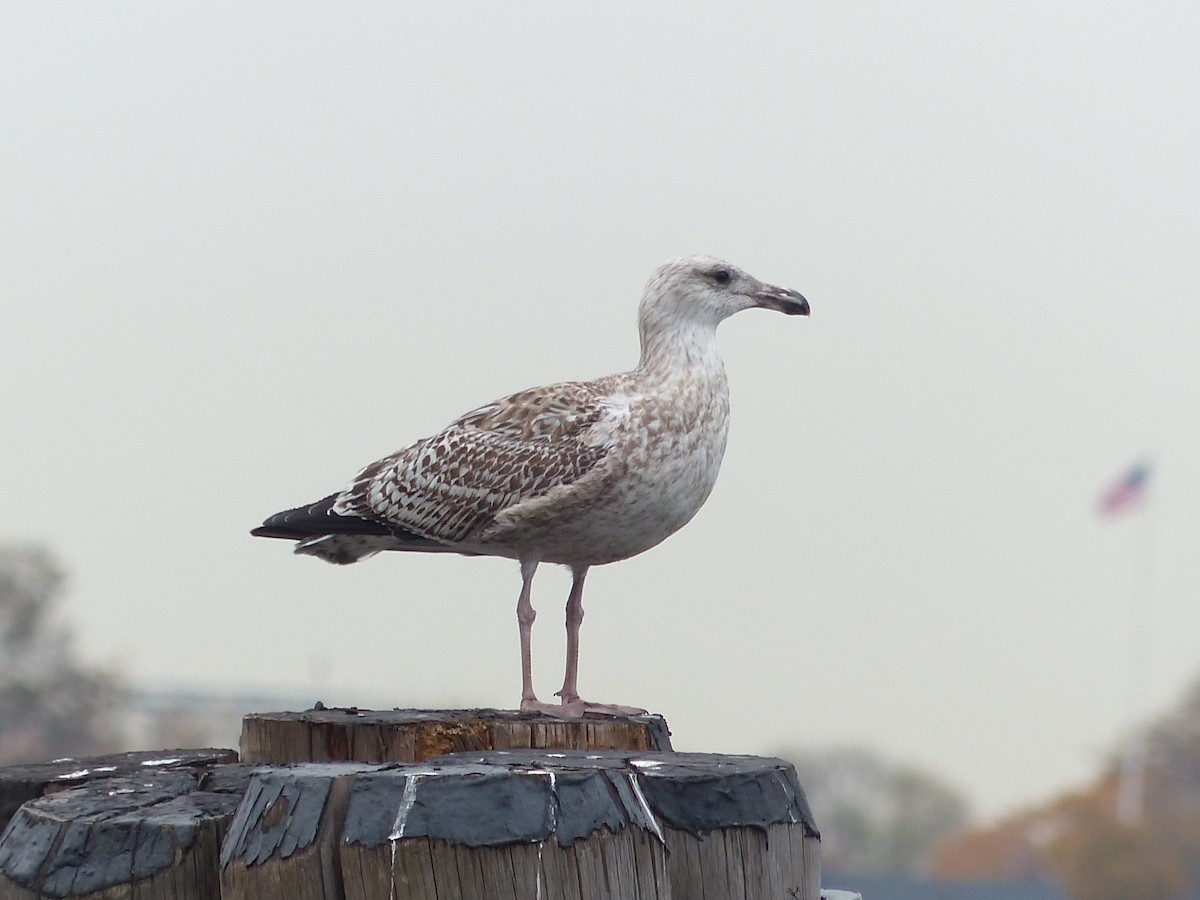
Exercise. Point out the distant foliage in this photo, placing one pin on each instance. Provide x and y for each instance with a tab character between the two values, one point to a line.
875	816
1078	839
50	705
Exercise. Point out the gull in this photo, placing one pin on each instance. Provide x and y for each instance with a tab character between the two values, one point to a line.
579	473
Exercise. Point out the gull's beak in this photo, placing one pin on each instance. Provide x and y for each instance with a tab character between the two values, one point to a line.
791	303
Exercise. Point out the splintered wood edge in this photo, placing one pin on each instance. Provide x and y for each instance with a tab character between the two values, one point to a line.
308	872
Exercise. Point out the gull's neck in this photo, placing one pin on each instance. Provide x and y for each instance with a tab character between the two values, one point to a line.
675	347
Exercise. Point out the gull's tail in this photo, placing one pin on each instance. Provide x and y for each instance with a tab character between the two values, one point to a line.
341	539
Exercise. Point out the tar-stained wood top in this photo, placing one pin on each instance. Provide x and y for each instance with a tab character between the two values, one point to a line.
152	834
32	780
409	735
446	831
695	793
480	825
283	842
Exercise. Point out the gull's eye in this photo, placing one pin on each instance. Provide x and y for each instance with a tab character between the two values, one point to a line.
720	276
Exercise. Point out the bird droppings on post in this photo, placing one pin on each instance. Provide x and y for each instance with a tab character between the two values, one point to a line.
406	804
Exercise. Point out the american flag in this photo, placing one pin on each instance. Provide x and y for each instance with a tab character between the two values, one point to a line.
1128	492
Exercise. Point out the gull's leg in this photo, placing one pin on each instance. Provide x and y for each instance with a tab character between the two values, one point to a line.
525	616
570	688
571	704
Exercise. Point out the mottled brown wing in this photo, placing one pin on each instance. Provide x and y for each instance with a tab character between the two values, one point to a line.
449	487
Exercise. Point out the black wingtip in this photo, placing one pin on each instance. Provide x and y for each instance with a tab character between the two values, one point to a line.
266	531
316	518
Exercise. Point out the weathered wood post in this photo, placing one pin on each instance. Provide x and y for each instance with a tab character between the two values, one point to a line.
518	825
413	735
284	839
98	826
386	814
734	827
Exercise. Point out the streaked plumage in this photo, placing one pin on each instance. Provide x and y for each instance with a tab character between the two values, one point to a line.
577	473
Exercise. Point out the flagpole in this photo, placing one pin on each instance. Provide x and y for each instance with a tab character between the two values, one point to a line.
1131	786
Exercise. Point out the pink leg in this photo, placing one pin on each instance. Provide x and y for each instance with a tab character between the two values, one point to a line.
525	616
570	688
571	704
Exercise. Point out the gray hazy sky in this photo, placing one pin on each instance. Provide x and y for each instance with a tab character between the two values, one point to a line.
247	248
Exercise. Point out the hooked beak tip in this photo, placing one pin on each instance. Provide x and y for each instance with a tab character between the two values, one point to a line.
788	302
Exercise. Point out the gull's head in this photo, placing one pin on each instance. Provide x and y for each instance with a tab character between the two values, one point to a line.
704	290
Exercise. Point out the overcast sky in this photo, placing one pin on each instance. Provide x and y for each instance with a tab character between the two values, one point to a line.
246	248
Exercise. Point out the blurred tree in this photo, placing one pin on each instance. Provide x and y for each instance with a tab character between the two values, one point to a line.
1019	848
50	705
1172	801
1104	859
1077	839
875	816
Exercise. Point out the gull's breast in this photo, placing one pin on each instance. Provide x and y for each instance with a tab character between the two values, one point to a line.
666	455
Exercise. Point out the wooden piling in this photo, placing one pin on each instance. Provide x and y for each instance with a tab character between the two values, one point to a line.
413	735
153	835
563	816
575	825
21	783
734	827
283	842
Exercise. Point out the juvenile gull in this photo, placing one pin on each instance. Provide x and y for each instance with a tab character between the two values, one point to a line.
580	473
